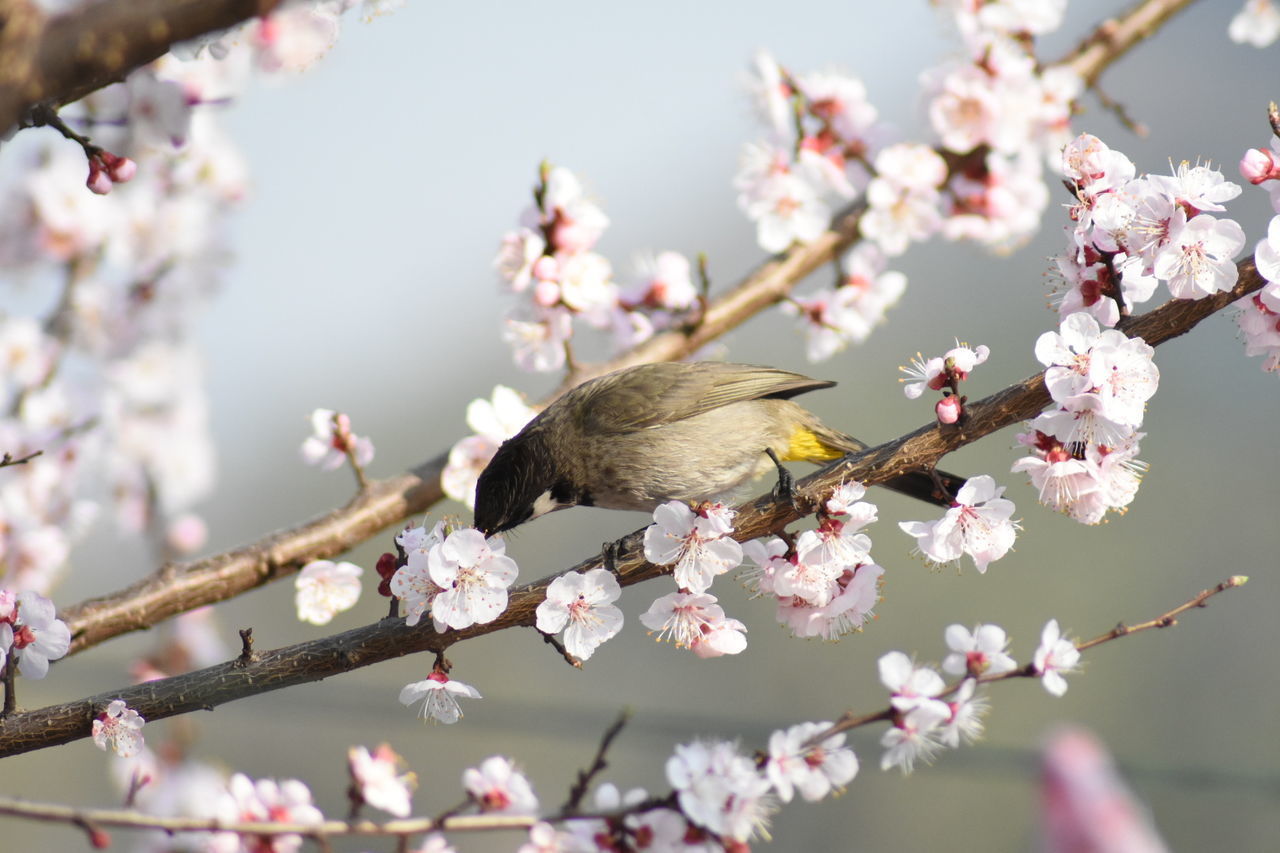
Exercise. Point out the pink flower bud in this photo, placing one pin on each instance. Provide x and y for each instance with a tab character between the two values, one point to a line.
122	170
1259	165
99	182
546	293
948	409
546	268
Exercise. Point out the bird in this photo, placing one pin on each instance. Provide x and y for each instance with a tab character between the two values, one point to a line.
645	435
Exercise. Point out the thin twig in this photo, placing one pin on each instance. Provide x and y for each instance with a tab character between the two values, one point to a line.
598	765
8	459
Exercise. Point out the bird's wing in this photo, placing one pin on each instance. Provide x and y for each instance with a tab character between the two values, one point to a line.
654	395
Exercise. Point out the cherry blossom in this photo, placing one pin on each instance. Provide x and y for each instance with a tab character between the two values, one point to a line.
263	801
977	652
325	589
1258	165
583	603
499	788
833	318
473	574
438	694
377	778
966	712
666	282
35	635
696	622
914	736
412	582
538	342
720	789
815	770
331	439
1054	656
978	524
1257	23
120	727
912	685
1197	261
697	544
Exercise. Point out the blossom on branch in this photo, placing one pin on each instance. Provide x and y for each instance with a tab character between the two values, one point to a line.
376	779
473	574
331	441
583	603
978	524
499	788
438	694
697	543
815	770
1054	656
263	801
120	727
720	789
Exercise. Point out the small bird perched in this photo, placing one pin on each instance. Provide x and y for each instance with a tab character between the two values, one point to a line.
645	435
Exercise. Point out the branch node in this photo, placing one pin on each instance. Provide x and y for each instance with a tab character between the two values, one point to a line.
246	647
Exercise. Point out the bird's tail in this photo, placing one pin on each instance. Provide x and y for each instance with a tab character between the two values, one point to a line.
818	444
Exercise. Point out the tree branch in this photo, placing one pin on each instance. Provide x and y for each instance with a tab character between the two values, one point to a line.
391	638
61	59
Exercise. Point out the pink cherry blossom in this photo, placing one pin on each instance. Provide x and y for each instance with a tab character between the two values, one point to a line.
376	776
583	603
325	589
439	695
473	574
120	727
1054	656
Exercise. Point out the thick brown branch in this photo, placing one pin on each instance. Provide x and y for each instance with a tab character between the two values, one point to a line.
391	638
178	588
59	60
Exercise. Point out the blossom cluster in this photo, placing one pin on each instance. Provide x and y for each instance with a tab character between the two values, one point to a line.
825	584
461	576
822	134
928	715
698	544
1084	446
1000	113
550	262
1132	232
1259	316
103	375
721	797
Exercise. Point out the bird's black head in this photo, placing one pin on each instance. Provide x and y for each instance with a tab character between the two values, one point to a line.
520	483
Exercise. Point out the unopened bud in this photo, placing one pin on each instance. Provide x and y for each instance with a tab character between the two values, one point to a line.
948	409
1259	165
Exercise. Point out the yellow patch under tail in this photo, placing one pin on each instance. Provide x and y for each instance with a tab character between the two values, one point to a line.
805	446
